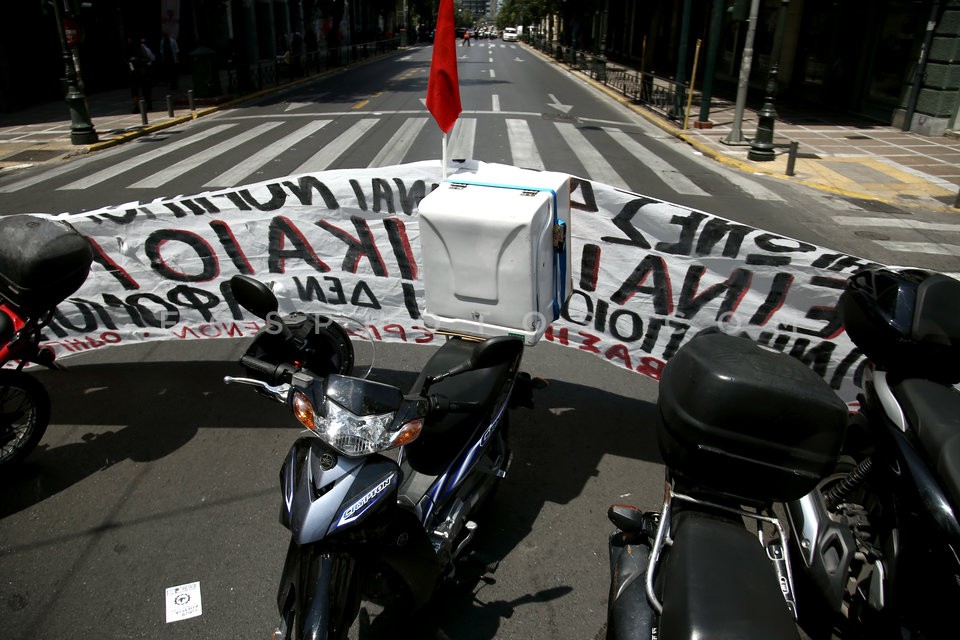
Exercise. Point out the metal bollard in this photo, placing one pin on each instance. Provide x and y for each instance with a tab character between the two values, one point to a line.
792	157
143	113
190	98
169	105
956	203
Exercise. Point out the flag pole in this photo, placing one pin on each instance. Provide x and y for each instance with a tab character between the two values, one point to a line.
443	156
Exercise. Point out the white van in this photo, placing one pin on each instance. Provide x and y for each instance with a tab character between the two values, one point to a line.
510	34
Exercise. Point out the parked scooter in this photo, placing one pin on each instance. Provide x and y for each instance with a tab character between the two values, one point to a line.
42	261
365	525
873	543
877	542
740	429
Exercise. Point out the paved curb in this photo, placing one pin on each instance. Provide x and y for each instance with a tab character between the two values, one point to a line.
670	128
153	128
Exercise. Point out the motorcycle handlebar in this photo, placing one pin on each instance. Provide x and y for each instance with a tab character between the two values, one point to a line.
442	404
280	372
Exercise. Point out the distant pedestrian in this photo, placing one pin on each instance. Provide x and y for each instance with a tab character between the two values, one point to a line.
169	60
140	61
466	37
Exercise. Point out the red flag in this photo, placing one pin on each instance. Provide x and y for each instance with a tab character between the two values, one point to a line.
443	88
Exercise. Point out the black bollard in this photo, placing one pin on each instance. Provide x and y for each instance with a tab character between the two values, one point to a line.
190	99
792	158
169	105
143	113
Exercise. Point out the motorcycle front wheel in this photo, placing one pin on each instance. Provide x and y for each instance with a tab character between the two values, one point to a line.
24	415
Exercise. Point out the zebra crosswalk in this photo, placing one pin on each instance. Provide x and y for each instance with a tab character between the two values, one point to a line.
232	151
250	165
931	234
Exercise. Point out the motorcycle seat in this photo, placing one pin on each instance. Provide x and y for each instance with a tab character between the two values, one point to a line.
446	435
934	412
718	583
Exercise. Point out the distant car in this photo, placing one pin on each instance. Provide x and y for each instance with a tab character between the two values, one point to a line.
510	34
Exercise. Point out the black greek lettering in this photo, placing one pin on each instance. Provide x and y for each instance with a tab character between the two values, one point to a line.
660	291
305	186
382	194
589	267
366	245
210	266
688	232
192	298
281	229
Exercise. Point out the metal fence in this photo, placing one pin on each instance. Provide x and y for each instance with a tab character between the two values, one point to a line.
663	95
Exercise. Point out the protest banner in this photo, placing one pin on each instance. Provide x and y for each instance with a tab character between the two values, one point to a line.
648	275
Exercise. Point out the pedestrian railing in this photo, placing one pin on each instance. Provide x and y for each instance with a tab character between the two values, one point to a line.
663	95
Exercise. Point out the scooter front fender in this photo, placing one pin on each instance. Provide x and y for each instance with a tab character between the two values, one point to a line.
325	492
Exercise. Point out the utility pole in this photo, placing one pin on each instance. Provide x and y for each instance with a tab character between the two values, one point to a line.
81	128
706	94
921	69
736	134
761	149
681	74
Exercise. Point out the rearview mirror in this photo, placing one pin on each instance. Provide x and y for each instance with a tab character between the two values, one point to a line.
254	296
489	353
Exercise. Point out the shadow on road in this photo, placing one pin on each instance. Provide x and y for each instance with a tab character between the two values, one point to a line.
107	413
557	448
137	411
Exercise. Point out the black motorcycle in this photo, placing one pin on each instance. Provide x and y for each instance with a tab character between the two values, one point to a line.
877	542
42	261
873	542
740	429
365	525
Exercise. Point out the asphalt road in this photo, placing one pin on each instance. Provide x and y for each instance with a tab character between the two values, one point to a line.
153	474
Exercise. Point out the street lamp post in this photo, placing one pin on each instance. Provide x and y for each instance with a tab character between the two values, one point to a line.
81	128
761	148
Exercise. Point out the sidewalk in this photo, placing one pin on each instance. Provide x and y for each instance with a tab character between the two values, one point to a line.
854	159
41	134
836	153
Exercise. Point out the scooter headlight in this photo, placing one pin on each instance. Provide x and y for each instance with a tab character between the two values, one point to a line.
350	434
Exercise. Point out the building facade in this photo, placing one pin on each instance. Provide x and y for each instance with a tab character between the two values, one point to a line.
893	61
232	31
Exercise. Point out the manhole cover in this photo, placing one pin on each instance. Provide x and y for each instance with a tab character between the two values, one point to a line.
34	155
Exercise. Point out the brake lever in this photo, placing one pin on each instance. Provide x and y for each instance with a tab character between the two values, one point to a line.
279	392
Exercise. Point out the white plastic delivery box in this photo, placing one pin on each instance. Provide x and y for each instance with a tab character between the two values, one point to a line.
496	255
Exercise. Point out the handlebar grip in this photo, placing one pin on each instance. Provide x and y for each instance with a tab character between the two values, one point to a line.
442	404
274	372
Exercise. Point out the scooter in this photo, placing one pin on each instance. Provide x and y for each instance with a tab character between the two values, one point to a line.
365	523
877	542
42	261
740	429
